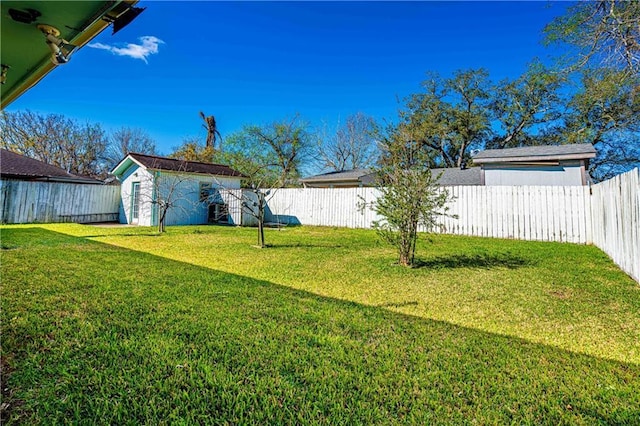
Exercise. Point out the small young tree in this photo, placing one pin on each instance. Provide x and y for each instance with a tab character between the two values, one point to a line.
256	207
168	191
409	197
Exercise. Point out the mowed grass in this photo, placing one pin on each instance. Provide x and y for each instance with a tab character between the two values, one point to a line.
122	326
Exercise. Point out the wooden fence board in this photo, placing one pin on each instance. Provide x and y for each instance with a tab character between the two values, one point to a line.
29	201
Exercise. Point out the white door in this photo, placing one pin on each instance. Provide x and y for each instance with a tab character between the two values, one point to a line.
135	202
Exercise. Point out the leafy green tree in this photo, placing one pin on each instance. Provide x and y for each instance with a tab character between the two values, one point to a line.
192	149
78	148
602	33
605	111
409	196
271	155
450	117
525	107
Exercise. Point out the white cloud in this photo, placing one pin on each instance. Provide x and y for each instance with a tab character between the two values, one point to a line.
148	47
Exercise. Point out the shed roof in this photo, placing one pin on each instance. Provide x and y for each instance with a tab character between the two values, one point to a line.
536	153
17	166
155	162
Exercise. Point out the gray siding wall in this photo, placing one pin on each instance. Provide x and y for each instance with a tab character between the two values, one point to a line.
564	174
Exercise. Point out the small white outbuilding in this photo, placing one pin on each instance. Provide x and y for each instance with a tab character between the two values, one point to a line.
194	190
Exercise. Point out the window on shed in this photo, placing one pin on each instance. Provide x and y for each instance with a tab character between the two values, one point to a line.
205	191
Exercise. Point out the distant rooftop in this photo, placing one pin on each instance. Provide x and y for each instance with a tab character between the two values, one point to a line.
454	176
533	153
448	176
18	166
341	176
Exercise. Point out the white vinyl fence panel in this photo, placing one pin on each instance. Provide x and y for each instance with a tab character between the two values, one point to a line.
615	210
29	202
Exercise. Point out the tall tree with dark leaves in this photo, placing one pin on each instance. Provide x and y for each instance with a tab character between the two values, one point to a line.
451	116
603	33
525	109
605	111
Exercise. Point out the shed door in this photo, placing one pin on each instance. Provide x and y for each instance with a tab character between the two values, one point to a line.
135	202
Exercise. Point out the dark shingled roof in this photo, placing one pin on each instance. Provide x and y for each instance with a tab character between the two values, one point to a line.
163	163
450	176
345	175
532	153
17	166
456	176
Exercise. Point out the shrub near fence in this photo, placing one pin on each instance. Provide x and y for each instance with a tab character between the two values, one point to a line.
607	214
29	201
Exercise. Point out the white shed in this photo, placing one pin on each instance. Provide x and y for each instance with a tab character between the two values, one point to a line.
197	191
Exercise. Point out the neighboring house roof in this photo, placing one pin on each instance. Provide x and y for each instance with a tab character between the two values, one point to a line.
155	162
366	177
456	176
356	176
536	153
17	166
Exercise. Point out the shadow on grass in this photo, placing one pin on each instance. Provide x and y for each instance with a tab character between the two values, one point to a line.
479	260
303	245
397	305
122	336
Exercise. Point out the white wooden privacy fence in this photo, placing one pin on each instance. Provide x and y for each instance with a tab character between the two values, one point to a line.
29	201
541	213
615	216
607	214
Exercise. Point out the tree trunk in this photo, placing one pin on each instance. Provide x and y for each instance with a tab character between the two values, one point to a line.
260	233
161	221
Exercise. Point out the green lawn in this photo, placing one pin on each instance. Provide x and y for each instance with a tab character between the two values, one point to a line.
122	326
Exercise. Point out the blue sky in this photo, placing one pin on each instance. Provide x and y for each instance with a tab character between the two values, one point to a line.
253	63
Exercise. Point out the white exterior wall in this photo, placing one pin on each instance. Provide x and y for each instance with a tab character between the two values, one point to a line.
188	210
134	174
564	174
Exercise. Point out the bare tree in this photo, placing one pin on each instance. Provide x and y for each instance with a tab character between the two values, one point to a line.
126	140
212	131
353	145
167	191
254	196
55	139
